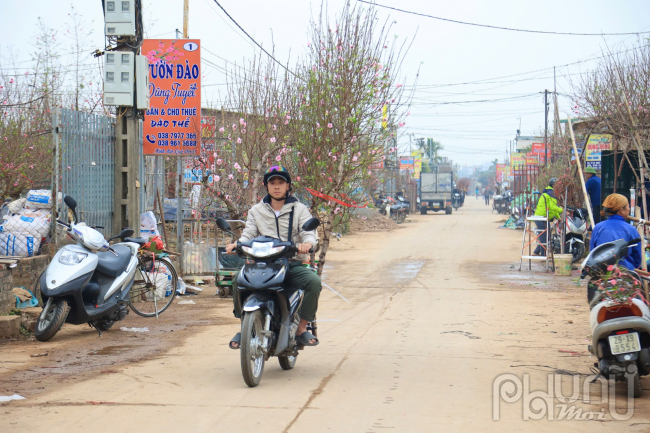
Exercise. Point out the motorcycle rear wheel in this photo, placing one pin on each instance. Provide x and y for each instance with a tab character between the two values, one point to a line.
47	327
252	356
287	362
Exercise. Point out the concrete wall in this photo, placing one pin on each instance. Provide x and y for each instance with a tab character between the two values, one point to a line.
24	274
7	300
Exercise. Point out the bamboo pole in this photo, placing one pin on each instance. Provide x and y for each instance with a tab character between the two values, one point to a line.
582	177
643	164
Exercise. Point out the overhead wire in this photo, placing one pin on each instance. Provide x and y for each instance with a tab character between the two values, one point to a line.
254	41
544	32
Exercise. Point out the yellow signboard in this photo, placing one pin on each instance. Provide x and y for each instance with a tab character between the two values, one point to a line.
517	160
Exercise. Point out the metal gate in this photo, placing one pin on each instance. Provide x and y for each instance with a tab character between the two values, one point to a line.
523	185
85	165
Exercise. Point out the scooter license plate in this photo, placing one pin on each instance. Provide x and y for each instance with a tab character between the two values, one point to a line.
624	343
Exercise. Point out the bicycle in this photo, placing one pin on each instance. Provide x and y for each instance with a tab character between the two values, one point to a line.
154	285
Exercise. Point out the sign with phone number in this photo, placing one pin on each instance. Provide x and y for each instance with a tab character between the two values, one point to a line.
172	124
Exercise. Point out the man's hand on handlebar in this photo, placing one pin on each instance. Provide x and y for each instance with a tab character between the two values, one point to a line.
304	248
230	248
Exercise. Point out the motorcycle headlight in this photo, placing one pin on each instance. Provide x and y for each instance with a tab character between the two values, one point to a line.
71	258
262	249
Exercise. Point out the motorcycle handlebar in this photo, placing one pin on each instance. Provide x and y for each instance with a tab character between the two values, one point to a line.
62	223
240	251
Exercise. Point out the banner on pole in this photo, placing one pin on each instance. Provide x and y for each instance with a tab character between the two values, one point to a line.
406	163
501	171
517	160
172	124
595	145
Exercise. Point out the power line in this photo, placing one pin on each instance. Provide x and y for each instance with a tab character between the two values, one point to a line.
501	28
488	80
254	41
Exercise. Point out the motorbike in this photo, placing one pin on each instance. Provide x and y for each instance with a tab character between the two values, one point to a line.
501	202
455	201
576	229
399	210
620	333
269	309
88	282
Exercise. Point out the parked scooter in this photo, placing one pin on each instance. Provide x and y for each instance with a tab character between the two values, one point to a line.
88	282
269	309
620	333
576	229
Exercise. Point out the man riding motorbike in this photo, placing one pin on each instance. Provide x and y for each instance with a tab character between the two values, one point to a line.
554	211
271	217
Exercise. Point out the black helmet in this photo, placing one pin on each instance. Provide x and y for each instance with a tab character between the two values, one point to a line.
551	182
279	171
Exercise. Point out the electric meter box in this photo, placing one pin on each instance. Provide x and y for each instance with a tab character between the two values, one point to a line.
119	17
119	67
142	82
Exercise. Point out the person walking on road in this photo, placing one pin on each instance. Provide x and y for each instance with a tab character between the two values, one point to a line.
547	199
486	194
593	190
476	192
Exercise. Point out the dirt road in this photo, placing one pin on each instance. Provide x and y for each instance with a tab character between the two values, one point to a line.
436	313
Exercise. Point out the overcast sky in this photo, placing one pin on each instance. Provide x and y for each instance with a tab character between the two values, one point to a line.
448	54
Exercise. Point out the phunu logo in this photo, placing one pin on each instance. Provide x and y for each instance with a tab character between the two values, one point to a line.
553	404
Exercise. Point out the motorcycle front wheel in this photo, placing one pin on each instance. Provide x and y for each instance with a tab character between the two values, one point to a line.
252	356
48	326
577	251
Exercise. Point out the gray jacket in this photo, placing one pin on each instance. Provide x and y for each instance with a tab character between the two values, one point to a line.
262	221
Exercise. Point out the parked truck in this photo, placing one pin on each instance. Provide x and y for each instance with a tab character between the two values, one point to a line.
436	188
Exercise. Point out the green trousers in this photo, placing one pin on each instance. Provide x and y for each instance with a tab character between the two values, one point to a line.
298	277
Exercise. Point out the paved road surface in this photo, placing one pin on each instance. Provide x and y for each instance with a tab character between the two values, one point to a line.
435	315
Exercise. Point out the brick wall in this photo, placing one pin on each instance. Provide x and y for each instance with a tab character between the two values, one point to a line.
24	274
28	271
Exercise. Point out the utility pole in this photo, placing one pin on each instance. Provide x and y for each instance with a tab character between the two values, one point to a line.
186	13
180	167
126	212
545	128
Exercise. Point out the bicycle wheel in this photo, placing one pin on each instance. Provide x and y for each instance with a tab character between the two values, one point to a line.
154	287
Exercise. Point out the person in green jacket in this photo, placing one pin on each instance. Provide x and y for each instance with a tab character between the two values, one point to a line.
554	211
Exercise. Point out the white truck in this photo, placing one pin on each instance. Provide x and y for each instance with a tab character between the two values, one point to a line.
436	189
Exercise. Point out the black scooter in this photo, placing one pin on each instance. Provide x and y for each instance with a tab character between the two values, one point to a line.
455	201
269	309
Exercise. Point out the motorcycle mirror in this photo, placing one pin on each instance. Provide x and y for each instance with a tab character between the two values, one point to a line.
311	224
72	204
634	241
223	224
126	233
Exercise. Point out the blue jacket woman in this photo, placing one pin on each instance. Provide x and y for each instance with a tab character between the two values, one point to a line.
616	227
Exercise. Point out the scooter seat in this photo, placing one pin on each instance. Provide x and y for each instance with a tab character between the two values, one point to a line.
112	265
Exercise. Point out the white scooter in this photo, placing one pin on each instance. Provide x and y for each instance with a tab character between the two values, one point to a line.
88	282
620	333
